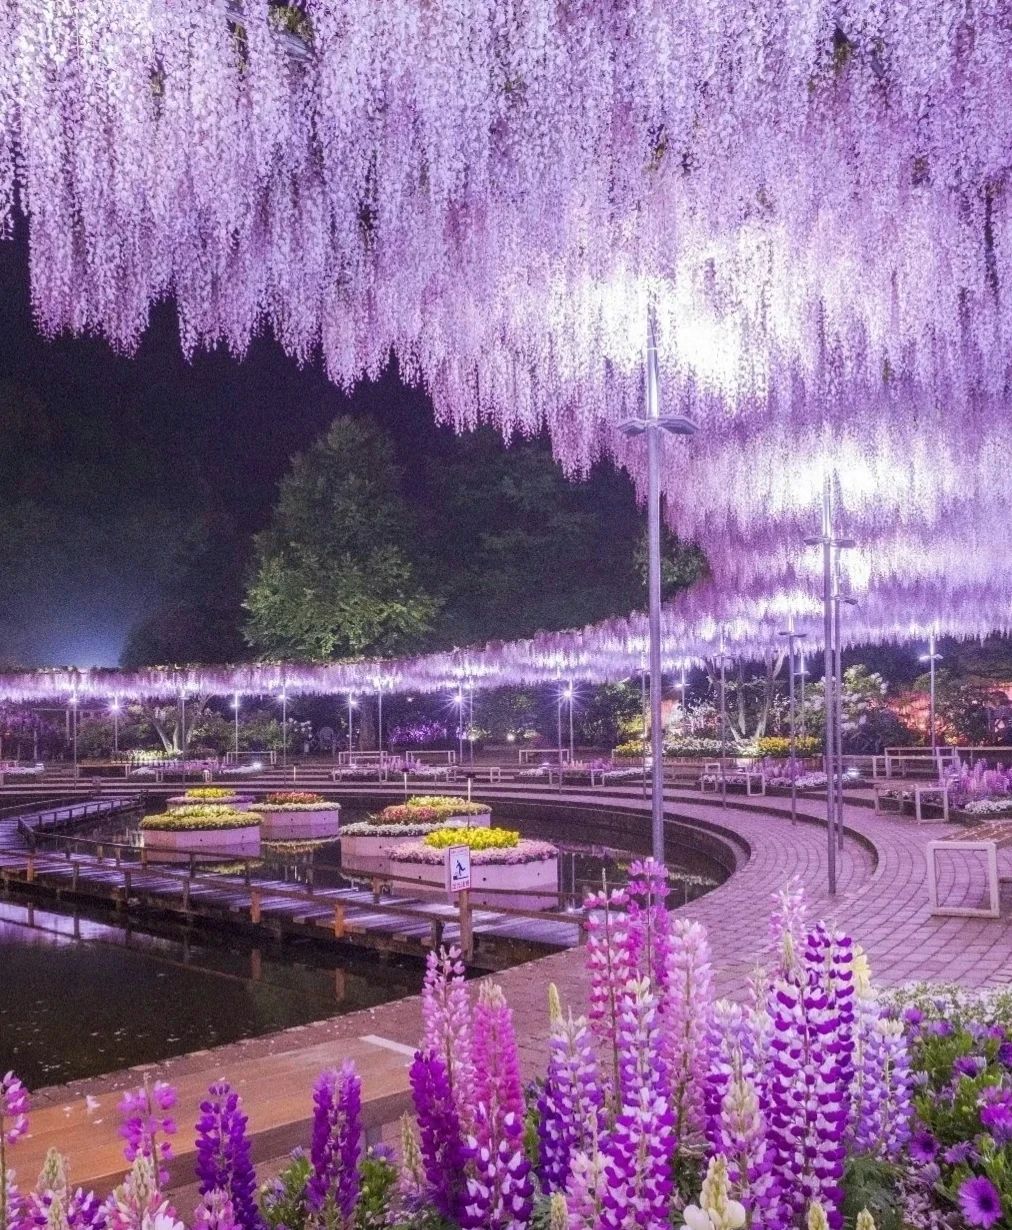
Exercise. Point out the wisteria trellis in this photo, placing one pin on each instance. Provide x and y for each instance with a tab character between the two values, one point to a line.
812	194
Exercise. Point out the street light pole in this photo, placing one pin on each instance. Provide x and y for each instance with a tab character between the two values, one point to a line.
792	641
284	726
351	724
73	721
723	723
115	726
931	657
235	706
182	726
653	425
828	542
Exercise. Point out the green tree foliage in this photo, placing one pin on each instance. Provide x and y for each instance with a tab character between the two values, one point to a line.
332	576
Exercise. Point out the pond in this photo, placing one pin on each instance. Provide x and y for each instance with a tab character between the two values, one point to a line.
86	994
83	995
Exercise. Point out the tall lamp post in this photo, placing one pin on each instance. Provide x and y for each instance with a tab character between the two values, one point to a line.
182	725
114	708
653	426
73	725
569	694
792	641
470	723
458	700
931	657
235	706
352	702
283	697
829	542
724	658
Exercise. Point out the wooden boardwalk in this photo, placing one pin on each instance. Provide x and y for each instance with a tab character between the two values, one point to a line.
37	853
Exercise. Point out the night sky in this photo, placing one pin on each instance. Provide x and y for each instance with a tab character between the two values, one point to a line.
119	471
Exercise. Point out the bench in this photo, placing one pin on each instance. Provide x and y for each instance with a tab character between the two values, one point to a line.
986	840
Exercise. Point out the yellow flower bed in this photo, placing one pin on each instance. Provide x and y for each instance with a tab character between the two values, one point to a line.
208	794
477	839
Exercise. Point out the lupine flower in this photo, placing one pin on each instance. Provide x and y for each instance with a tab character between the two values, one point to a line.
638	1150
411	1178
611	968
571	1101
585	1189
812	1007
337	1129
787	922
687	1011
443	1152
138	1204
649	923
979	1202
558	1214
14	1107
215	1212
716	1209
864	1221
446	1018
145	1116
817	1219
224	1155
499	1192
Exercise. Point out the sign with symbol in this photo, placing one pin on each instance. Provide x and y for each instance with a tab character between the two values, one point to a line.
458	868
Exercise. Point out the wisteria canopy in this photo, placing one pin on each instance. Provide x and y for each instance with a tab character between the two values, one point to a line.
811	194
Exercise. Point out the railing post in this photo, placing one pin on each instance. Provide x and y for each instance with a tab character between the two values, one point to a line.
466	924
186	895
375	890
30	869
126	881
76	876
436	933
254	906
339	925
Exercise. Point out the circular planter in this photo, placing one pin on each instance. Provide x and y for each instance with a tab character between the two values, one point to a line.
524	879
370	853
300	824
167	843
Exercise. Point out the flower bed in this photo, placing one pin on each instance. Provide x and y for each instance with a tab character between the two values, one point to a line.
530	869
205	828
213	796
294	815
436	809
368	844
988	808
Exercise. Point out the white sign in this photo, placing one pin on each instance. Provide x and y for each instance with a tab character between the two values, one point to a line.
458	868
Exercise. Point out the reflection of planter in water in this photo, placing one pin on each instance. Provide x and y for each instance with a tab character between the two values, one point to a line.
166	843
301	824
523	879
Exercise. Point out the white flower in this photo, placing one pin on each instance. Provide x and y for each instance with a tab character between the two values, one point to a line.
695	1218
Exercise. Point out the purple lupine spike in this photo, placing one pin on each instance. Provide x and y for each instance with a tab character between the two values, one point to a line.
224	1154
446	1018
882	1085
687	1011
500	1194
14	1107
788	920
639	1148
444	1155
337	1131
145	1119
215	1212
649	923
571	1102
610	966
812	1067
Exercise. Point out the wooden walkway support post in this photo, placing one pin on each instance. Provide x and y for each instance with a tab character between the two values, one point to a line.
466	924
339	924
254	906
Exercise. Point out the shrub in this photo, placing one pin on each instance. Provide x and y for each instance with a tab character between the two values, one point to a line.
779	746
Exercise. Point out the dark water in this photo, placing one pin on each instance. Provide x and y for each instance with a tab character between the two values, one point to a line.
83	996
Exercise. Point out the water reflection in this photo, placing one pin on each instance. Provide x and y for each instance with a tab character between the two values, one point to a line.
82	996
